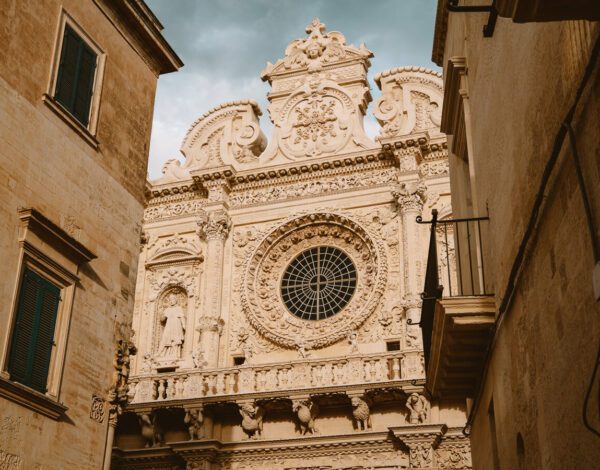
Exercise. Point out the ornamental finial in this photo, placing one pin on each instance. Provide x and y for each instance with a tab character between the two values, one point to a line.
315	27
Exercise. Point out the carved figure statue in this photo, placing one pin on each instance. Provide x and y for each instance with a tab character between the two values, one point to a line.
198	358
194	419
173	334
353	341
417	407
252	418
150	429
303	350
361	413
307	411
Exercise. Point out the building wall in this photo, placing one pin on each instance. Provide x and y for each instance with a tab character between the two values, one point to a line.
94	194
521	83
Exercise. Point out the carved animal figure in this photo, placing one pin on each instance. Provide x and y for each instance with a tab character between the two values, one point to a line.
252	418
150	429
361	413
307	411
194	419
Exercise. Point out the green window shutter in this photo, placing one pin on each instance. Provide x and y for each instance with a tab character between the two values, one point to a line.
48	299
33	334
85	84
75	80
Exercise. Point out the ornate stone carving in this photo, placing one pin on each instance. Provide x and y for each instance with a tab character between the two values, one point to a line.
118	394
252	418
173	334
313	187
194	418
97	409
261	300
216	226
226	135
418	408
454	456
171	248
316	51
411	100
178	209
361	413
150	429
306	410
410	196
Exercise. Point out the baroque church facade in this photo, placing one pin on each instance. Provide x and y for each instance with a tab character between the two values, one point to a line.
278	290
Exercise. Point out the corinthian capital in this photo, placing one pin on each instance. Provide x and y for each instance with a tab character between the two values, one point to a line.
216	226
210	324
410	196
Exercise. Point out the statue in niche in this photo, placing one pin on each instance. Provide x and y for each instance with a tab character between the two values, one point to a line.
417	408
173	334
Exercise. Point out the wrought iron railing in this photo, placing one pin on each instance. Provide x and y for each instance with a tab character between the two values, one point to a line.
455	265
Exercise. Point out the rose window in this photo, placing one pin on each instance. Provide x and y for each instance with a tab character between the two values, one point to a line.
301	283
318	283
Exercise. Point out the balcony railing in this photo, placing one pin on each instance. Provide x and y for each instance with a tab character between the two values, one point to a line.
455	266
273	378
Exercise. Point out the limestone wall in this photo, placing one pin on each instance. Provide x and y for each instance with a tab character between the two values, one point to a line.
93	194
546	346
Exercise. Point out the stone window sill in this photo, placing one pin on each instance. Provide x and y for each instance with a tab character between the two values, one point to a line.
73	123
31	399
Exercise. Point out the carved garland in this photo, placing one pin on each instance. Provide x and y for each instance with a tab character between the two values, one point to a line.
261	300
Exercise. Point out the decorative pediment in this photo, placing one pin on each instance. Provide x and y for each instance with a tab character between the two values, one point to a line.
316	52
174	248
411	101
319	119
226	135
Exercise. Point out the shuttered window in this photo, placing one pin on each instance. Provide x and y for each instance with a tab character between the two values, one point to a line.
76	71
33	332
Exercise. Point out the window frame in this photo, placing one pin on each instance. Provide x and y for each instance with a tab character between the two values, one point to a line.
54	255
91	129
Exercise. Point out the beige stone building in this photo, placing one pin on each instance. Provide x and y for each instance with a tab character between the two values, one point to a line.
77	84
278	291
519	338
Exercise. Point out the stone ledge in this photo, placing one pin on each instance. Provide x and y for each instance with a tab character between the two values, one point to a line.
66	117
31	399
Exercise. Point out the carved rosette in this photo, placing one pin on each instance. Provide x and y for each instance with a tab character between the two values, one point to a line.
261	298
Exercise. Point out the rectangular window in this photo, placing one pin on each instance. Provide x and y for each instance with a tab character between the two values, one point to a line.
76	73
393	345
33	334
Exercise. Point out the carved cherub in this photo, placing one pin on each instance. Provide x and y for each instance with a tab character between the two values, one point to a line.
252	418
307	411
361	413
353	341
150	429
194	418
417	408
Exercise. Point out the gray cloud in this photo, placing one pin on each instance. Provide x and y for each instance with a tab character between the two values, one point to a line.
225	44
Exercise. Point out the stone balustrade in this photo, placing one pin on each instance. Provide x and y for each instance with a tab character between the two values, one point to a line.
307	374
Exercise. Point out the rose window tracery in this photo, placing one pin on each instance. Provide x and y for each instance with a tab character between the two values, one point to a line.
318	283
286	288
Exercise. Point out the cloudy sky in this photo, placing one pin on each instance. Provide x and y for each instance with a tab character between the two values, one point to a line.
225	44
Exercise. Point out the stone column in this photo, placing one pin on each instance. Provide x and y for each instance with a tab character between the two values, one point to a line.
214	229
410	198
420	441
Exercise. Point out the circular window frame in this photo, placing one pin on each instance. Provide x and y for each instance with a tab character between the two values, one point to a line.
346	301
